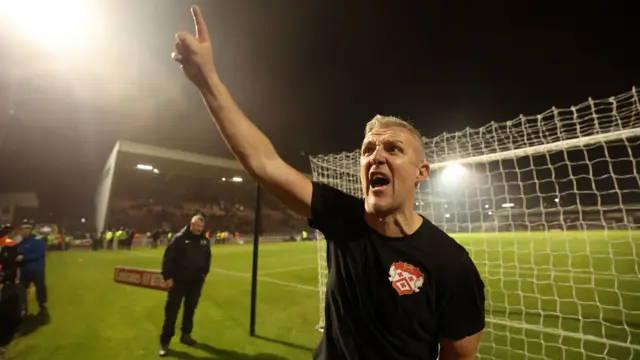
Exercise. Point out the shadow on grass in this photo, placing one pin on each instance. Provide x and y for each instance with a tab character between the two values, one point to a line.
284	343
32	322
221	354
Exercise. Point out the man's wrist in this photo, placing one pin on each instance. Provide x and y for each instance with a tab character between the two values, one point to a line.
211	84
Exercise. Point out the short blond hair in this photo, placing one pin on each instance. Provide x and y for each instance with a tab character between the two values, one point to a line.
197	218
381	122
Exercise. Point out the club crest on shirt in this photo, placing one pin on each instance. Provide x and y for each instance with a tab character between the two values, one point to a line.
405	278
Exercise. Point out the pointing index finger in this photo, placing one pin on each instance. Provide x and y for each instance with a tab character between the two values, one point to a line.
202	33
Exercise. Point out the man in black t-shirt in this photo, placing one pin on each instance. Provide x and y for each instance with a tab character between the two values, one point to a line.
399	287
394	297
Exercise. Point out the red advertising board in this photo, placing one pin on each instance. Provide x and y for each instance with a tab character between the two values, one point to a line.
151	279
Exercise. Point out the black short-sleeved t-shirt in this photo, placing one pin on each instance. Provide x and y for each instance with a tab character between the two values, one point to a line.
391	298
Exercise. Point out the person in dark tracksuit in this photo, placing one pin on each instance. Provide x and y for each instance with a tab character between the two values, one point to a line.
33	250
185	266
129	241
155	236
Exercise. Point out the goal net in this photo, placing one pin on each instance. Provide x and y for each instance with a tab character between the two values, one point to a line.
548	206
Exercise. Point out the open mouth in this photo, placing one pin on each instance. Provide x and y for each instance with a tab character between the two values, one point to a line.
379	181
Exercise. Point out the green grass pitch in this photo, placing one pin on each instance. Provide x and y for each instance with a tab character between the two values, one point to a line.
549	296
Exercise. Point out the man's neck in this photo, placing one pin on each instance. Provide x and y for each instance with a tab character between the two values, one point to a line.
397	224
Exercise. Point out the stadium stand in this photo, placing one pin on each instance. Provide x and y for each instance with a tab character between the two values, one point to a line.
146	187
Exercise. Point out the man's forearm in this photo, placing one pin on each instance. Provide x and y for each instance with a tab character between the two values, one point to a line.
252	148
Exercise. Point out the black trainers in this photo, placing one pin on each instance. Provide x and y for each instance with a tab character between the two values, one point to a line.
188	340
164	349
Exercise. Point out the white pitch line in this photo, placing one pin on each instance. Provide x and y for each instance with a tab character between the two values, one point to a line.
241	274
288	269
265	279
486	270
488	319
564	273
563	333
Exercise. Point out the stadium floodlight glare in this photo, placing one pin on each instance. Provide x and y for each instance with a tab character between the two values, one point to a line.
508	205
453	173
559	284
67	25
83	220
236	179
156	171
556	200
144	167
447	215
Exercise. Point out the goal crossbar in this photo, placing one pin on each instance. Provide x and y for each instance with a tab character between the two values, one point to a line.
530	151
544	148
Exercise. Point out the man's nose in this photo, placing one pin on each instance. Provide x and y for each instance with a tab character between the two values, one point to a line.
378	157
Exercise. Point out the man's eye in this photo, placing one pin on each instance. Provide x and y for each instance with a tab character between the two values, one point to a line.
366	151
394	149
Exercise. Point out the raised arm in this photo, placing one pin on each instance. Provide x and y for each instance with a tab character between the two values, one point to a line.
250	146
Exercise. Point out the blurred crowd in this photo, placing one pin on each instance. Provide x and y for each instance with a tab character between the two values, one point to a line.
234	214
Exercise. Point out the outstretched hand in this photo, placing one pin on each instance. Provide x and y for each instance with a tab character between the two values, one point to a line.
194	53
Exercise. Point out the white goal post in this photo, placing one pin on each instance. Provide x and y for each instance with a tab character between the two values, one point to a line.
548	206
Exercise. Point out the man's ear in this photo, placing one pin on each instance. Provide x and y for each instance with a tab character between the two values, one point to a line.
423	172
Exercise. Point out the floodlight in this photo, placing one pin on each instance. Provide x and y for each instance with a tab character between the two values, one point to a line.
453	175
556	200
63	24
156	171
144	167
236	179
453	172
508	205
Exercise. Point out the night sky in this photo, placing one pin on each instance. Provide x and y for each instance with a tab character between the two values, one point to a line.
309	74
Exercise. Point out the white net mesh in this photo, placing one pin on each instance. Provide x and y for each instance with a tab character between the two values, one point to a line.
549	208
